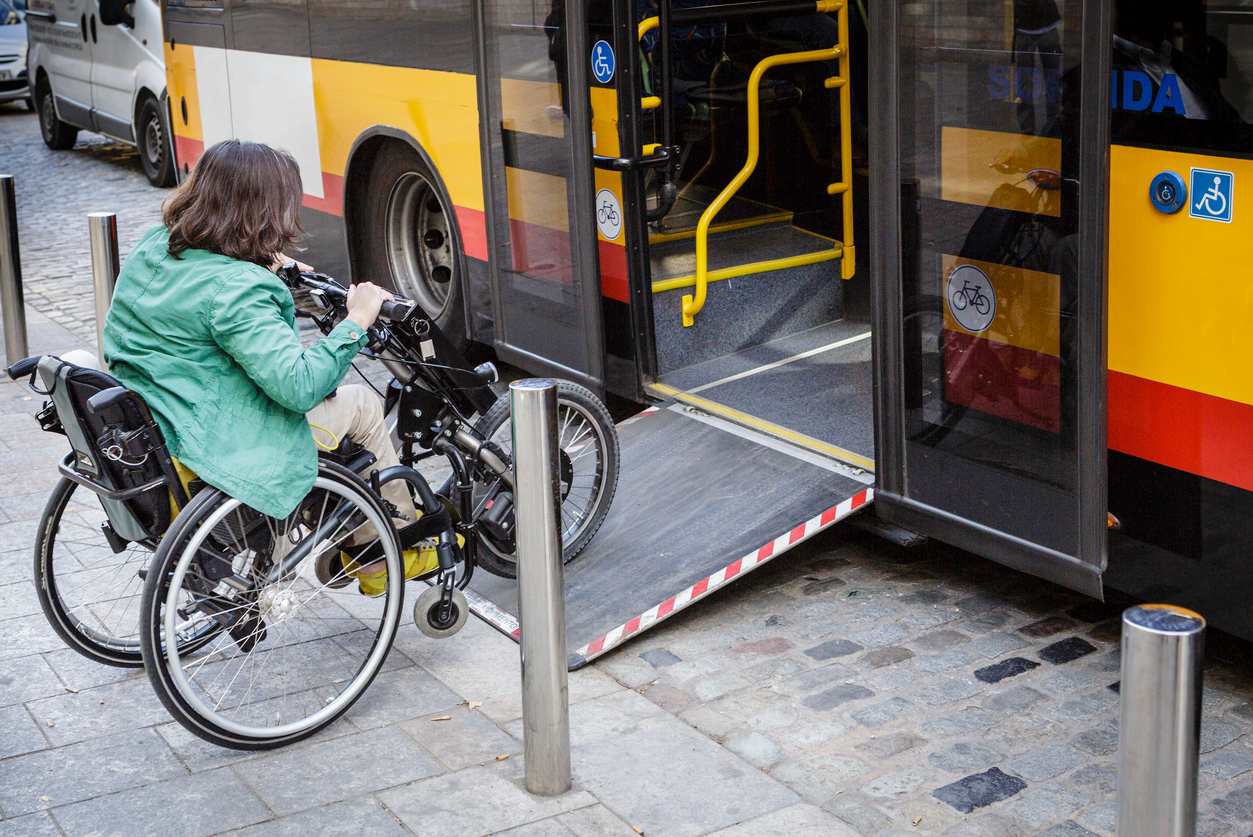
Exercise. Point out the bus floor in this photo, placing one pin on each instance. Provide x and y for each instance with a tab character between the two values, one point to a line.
816	383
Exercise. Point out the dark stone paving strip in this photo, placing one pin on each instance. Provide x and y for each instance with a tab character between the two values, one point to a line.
979	790
833	648
1012	667
1047	627
833	697
1066	650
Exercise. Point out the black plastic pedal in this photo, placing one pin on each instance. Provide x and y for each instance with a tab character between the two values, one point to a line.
116	542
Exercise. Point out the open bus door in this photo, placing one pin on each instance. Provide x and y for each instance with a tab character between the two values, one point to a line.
537	153
990	188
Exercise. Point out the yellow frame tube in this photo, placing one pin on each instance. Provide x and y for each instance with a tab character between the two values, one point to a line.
745	269
693	304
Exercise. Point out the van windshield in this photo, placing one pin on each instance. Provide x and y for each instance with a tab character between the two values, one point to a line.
9	15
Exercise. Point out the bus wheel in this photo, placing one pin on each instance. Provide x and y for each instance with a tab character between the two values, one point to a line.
414	244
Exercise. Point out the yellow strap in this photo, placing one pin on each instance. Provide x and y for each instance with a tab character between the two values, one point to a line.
335	439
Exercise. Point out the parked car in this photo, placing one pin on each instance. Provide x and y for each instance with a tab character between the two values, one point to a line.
14	85
98	65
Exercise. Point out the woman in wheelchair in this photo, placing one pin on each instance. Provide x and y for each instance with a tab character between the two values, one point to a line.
202	328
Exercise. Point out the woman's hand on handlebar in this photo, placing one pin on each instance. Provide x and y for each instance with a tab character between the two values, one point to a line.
364	302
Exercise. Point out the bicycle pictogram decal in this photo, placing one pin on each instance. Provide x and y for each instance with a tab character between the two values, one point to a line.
971	298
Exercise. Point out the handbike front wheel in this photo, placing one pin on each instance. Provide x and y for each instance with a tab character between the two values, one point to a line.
588	464
295	652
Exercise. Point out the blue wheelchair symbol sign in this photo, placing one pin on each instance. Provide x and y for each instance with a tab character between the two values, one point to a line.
602	62
1211	195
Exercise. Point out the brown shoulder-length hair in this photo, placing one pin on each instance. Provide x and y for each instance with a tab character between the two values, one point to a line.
242	200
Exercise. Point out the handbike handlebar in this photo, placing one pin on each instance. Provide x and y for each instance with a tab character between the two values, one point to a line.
335	295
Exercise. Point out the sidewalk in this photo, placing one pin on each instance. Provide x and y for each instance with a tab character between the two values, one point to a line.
433	748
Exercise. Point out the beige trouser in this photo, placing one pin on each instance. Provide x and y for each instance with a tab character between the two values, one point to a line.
356	412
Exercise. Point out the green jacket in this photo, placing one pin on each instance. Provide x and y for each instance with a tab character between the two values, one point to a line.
211	344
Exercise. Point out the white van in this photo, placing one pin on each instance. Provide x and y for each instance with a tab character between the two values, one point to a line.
99	65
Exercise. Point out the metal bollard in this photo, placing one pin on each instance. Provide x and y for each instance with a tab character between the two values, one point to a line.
14	308
541	587
105	264
1159	731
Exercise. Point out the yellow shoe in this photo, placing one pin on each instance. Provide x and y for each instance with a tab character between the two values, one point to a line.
419	561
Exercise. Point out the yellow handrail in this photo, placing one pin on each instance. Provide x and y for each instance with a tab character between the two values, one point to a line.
848	262
693	304
648	24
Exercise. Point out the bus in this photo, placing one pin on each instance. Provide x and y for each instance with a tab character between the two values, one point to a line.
978	264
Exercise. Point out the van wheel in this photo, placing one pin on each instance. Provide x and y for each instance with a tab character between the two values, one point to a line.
30	104
57	135
154	148
413	245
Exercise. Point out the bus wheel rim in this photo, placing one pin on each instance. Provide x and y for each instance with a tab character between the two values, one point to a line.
419	245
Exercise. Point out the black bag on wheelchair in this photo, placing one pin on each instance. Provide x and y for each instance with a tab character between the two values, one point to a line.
118	450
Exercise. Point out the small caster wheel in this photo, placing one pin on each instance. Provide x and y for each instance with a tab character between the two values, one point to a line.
426	613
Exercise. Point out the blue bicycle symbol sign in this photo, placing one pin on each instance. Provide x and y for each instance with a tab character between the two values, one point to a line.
1211	195
602	62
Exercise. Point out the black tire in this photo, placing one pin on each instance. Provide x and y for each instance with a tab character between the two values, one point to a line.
334	653
89	593
57	135
580	402
412	243
154	146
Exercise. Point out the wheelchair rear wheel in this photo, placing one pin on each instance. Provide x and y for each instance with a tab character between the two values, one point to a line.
294	653
89	592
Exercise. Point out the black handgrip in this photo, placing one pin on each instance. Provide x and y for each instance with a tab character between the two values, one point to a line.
23	367
397	310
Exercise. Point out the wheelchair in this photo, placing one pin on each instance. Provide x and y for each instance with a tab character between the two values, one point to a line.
249	640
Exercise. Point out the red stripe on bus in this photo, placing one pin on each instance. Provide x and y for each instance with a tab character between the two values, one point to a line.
473	232
332	200
613	271
1006	381
187	150
1190	431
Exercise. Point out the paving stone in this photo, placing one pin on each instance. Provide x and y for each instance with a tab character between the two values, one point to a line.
811	735
1011	667
660	658
946	661
795	821
613	750
938	615
833	648
837	695
331	771
756	749
468	737
995	644
893	678
1039	806
668	697
595	821
82	771
1215	734
1066	650
964	757
1098	778
1069	828
770	645
400	695
895	785
925	597
985	825
987	623
947	690
715	687
979	790
19	734
1100	741
884	747
1070	680
959	723
31	825
71	717
1045	763
189	806
881	635
858	813
1047	627
778	667
822	586
1100	818
880	657
1110	631
1015	699
1086	706
1227	765
808	681
78	672
940	641
880	713
27	678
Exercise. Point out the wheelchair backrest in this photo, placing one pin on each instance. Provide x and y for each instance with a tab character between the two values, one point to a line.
116	445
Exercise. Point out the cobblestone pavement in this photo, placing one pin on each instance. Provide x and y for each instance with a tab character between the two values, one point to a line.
55	191
849	687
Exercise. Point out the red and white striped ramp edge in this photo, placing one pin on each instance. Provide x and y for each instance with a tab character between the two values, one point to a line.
508	623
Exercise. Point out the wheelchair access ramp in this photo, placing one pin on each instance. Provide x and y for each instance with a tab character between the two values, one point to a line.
700	503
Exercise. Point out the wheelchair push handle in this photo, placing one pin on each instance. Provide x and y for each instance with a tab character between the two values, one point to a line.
24	367
334	295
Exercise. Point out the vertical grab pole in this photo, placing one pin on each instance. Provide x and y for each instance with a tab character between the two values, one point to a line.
14	308
1159	731
105	264
541	587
